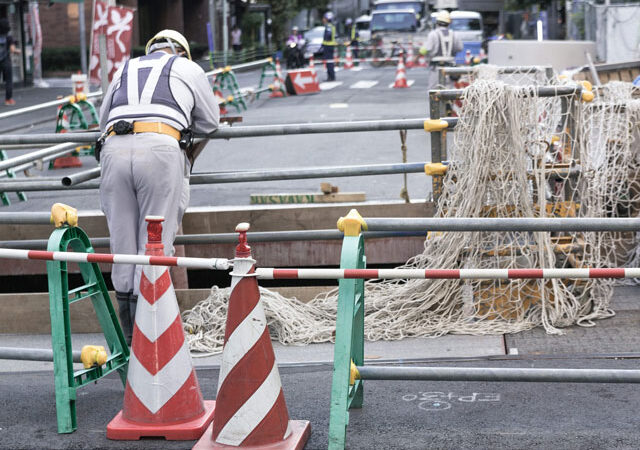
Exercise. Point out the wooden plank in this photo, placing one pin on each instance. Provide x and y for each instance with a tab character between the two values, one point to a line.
279	199
625	75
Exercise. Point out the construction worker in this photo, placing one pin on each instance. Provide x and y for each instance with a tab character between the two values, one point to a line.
149	113
329	44
354	36
441	47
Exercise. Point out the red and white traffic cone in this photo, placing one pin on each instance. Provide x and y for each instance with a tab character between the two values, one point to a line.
250	409
410	63
348	64
401	78
277	87
162	397
312	65
222	102
467	57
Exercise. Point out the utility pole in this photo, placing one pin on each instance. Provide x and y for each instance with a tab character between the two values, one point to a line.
225	30
212	22
83	37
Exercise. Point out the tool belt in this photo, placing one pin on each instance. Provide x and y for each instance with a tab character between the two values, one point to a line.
184	137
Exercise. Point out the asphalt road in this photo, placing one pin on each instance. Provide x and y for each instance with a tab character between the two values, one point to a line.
374	99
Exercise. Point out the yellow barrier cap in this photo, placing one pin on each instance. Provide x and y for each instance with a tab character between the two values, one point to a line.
354	374
431	125
71	99
227	69
555	139
230	98
587	96
93	355
587	85
352	224
61	214
432	169
81	96
270	59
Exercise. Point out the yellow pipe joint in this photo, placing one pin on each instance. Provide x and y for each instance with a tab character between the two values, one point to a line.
587	96
431	125
354	374
432	169
61	214
352	224
93	355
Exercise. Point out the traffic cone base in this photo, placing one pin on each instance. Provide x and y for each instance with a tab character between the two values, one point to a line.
64	162
122	429
300	431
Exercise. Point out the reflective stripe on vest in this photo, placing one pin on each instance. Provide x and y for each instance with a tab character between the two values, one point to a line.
144	92
446	41
331	41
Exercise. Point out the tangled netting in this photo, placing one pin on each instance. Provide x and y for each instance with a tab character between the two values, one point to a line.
515	154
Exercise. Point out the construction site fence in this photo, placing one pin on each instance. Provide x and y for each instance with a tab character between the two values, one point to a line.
349	371
240	67
231	57
38	107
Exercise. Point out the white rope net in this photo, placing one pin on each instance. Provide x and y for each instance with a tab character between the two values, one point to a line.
514	155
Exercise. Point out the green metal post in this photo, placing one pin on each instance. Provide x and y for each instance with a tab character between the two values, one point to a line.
60	297
270	65
10	174
349	345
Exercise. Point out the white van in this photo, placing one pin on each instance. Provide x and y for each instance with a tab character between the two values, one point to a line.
363	26
466	24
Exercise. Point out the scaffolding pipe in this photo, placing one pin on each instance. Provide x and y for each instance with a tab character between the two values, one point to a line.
500	374
80	177
503	69
240	67
541	91
58	102
31	354
242	132
38	154
44	185
581	224
230	238
25	218
29	165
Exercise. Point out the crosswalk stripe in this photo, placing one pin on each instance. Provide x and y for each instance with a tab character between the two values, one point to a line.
327	85
363	84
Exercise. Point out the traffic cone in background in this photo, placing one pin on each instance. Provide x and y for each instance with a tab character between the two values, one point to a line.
467	57
401	78
483	56
250	409
422	60
279	70
312	65
410	56
277	87
222	102
162	397
348	64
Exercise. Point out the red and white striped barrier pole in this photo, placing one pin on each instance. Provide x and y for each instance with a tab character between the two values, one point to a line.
250	407
461	274
109	258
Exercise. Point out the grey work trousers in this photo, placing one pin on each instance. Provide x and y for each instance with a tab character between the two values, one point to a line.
142	174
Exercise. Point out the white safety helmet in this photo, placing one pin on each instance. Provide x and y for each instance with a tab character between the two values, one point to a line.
168	39
295	28
329	16
443	17
348	22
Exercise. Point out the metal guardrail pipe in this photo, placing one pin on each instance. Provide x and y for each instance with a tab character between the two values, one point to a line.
31	354
38	154
25	218
581	224
501	69
45	185
228	238
275	174
240	67
541	91
24	146
253	131
500	374
31	164
28	109
77	178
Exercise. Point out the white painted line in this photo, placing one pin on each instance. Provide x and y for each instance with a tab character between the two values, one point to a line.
363	84
356	69
326	85
338	105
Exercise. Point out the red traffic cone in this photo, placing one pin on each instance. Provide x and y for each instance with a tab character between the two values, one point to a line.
277	87
222	102
348	64
312	65
401	78
410	63
250	409
162	397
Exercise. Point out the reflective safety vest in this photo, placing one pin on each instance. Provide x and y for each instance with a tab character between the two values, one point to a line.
354	34
445	37
330	35
144	92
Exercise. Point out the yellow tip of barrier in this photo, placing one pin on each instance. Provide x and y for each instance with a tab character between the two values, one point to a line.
555	139
587	85
432	169
270	59
230	98
354	374
587	96
93	355
81	97
71	99
61	214
352	224
271	87
431	125
227	69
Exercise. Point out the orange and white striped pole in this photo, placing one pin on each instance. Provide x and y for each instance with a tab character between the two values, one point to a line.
250	407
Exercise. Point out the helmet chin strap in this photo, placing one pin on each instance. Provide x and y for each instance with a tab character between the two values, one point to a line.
173	47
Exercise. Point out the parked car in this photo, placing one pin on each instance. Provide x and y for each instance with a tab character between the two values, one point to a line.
393	29
313	38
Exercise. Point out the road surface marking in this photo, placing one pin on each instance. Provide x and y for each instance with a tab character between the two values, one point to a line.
326	85
338	105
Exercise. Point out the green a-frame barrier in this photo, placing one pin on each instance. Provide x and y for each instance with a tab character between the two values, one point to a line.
346	391
67	382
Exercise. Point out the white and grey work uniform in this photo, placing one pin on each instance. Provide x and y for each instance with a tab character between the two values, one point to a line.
442	46
147	173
